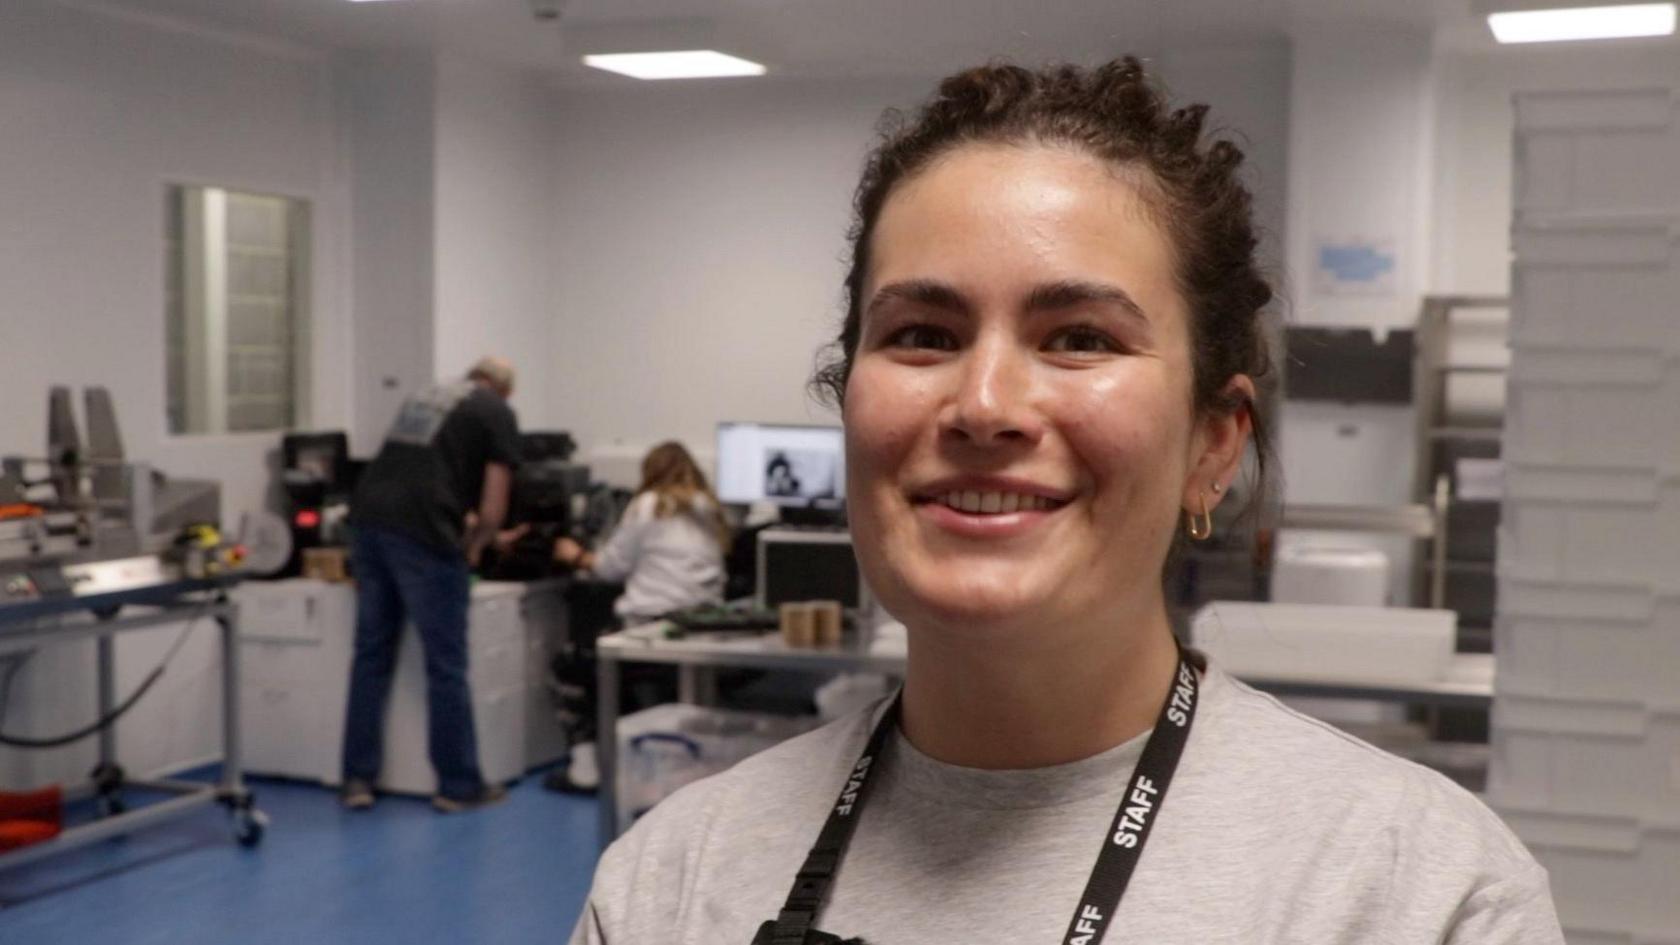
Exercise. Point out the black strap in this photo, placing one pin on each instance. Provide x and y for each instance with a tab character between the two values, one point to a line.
1139	809
1121	847
811	885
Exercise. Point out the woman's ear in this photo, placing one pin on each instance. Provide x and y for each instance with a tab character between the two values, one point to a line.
1217	446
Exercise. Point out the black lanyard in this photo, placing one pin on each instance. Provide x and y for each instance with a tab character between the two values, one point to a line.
1122	844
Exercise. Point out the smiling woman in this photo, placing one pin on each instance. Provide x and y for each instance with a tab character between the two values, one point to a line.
1046	375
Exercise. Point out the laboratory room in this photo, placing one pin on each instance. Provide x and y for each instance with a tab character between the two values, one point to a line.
800	472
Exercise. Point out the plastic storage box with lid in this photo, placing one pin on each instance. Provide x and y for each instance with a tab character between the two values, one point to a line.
664	747
1310	573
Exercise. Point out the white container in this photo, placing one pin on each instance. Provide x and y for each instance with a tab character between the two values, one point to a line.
1628	603
1624	886
1601	864
1545	656
1328	574
1579	757
1578	541
1599	151
1614	424
1597	285
1309	642
664	747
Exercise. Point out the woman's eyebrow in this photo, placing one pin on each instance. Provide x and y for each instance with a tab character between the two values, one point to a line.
1053	296
926	292
1046	297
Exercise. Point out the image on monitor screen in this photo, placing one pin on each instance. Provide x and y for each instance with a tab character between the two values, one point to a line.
786	465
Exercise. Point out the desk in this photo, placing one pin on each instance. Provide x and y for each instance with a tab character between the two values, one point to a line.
188	601
1468	683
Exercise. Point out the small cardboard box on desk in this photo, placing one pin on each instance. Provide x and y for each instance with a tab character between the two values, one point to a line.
814	623
326	564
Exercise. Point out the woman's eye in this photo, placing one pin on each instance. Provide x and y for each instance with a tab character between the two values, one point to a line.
1083	340
922	337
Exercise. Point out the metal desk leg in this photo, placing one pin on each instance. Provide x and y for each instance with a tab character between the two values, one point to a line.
107	684
697	685
606	744
248	822
233	782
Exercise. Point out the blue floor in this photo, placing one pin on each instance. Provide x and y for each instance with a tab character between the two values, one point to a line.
515	873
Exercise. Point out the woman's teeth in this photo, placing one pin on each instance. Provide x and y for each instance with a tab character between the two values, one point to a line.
995	503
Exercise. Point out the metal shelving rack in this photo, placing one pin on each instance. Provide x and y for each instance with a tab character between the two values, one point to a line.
1460	572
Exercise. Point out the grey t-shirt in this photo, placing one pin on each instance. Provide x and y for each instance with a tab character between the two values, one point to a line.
1276	828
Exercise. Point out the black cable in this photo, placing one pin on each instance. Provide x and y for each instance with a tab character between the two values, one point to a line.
109	718
14	663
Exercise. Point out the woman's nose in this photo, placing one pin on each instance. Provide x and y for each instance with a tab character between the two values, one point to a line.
991	404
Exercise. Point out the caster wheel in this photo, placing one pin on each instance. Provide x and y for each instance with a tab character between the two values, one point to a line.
248	826
109	805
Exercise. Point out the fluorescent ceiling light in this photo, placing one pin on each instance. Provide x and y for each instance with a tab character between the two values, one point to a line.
684	64
1550	26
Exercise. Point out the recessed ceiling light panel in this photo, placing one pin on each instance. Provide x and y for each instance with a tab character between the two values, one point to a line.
682	64
1552	26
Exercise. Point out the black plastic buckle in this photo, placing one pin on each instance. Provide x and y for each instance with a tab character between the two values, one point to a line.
767	936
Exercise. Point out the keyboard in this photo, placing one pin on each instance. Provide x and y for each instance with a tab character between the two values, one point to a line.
713	618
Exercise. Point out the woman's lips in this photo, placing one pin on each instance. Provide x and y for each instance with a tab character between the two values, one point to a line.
991	525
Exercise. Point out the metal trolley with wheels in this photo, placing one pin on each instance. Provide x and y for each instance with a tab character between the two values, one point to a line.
47	620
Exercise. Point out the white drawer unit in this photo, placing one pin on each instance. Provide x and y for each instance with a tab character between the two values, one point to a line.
292	730
545	618
297	610
296	678
496	675
296	638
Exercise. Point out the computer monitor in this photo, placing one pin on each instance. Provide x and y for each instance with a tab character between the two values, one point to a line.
321	457
793	466
799	564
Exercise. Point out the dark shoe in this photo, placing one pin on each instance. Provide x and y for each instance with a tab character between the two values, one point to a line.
487	795
561	780
356	795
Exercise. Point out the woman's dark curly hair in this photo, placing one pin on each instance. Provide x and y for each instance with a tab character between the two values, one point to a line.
1114	112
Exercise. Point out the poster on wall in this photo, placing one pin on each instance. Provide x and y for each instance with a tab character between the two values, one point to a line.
1355	266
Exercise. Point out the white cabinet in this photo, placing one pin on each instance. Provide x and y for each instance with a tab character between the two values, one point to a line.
296	638
547	628
296	643
496	675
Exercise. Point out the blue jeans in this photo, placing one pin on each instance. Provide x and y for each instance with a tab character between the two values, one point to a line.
398	577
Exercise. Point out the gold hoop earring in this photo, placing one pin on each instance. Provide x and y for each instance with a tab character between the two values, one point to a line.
1199	526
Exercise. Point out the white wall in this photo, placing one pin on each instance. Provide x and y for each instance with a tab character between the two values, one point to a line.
494	196
388	108
701	242
1247	88
1360	138
100	114
699	252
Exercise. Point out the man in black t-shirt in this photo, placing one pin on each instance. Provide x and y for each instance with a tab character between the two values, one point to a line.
423	513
